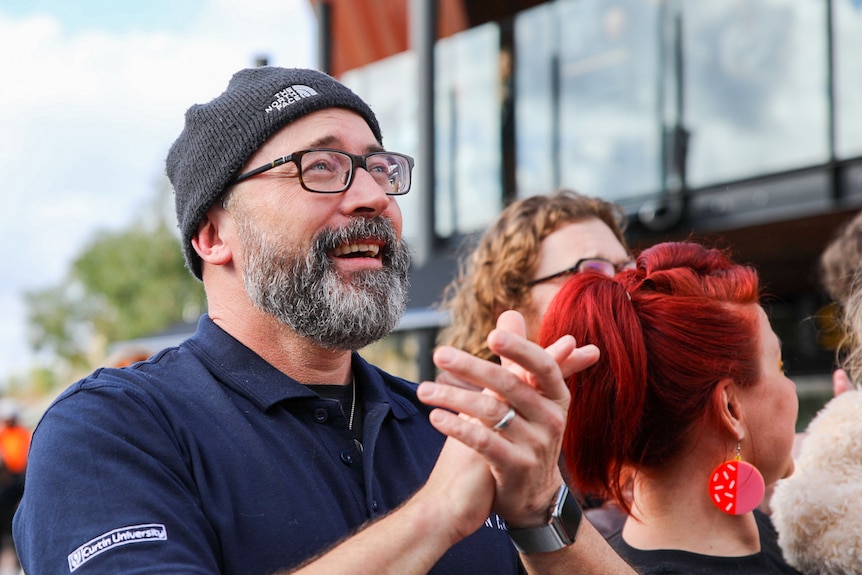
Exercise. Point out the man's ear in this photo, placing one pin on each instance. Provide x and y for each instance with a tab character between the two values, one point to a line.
729	409
210	241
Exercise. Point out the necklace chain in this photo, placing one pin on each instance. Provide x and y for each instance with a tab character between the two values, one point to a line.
352	413
352	404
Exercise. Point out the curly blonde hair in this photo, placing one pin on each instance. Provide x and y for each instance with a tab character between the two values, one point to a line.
840	260
494	276
851	321
840	265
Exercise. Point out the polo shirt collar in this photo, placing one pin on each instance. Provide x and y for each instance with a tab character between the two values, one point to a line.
248	374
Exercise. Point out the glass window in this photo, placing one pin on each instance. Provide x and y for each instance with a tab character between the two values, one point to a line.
847	22
587	113
755	77
535	50
389	87
468	130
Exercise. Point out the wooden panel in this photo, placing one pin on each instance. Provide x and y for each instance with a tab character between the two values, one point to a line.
365	31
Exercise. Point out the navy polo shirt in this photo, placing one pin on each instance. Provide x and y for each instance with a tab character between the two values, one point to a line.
206	459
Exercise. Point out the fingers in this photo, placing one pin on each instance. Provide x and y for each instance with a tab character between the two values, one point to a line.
526	367
514	355
512	321
470	402
501	387
513	414
505	421
577	360
521	454
529	361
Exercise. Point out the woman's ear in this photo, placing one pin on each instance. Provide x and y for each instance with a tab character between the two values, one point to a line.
210	241
729	408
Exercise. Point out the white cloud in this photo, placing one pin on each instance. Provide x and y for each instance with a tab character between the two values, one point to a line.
88	115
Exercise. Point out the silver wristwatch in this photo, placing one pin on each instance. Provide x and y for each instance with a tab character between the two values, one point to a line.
561	530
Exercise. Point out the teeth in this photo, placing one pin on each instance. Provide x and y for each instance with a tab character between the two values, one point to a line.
371	249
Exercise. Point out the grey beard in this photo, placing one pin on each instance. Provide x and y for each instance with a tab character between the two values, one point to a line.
306	293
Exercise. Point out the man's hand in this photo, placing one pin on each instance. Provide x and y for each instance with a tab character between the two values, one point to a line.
523	456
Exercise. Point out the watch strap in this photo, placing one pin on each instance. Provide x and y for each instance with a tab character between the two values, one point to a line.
560	531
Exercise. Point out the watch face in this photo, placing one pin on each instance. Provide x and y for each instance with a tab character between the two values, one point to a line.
566	515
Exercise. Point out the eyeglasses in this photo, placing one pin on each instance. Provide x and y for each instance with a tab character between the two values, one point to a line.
600	265
328	171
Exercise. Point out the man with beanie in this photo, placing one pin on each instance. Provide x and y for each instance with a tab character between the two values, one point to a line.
264	443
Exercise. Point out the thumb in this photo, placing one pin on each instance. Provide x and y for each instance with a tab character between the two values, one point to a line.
512	322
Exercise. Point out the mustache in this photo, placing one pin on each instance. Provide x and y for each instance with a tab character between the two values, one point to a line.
358	230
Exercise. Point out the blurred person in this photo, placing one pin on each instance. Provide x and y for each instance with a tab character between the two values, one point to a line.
840	262
687	414
838	265
818	510
520	262
523	258
14	446
127	355
264	442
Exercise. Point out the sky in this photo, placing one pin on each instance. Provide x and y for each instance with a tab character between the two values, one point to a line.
92	95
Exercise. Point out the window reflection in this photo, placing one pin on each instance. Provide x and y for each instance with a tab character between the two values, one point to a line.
467	120
755	77
588	92
389	87
847	23
597	90
535	107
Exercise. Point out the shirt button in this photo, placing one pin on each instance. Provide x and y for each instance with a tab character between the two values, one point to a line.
320	415
347	457
374	505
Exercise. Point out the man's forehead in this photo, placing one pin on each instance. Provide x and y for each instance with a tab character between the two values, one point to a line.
329	128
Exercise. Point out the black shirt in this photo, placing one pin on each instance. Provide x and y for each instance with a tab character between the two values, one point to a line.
767	561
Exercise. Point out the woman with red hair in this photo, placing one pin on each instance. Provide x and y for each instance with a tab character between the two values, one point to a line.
686	415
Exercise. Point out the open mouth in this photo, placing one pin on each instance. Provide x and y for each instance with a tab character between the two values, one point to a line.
357	250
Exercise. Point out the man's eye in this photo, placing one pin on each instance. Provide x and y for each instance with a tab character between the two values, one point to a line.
319	165
379	167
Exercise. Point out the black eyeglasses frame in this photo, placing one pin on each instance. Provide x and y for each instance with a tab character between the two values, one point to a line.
618	267
356	161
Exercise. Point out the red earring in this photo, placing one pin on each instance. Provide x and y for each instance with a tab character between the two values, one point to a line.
736	487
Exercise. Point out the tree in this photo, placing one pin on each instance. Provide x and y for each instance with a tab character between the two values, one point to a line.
124	285
137	282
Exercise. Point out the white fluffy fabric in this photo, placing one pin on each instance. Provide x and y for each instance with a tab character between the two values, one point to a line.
818	510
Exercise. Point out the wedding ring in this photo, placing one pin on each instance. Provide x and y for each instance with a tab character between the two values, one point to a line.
505	421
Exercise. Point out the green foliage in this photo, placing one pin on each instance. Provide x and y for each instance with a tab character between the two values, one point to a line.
139	280
124	285
56	320
39	382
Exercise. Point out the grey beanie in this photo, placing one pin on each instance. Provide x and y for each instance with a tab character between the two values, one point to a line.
220	136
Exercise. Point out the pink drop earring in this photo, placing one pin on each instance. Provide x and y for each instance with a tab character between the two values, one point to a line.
736	487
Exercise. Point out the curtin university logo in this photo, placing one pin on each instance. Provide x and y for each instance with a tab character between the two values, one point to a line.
115	538
289	95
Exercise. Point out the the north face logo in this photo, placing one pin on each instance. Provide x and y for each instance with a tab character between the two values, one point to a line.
290	95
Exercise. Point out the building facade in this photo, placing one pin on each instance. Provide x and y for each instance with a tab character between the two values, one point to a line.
737	122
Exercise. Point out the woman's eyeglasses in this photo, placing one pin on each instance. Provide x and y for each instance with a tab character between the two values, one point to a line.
600	265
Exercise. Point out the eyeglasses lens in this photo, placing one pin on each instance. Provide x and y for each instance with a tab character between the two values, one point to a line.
330	171
325	171
601	266
390	171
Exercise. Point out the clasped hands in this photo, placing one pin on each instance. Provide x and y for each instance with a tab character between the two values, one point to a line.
504	424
